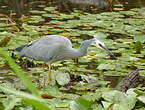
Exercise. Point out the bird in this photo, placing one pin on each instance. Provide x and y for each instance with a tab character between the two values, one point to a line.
52	48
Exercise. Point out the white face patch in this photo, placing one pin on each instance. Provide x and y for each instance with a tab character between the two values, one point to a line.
100	44
97	43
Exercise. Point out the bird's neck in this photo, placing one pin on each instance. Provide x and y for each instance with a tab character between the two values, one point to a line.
83	48
75	53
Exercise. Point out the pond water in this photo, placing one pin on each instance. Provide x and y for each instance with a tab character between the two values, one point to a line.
22	7
86	83
26	20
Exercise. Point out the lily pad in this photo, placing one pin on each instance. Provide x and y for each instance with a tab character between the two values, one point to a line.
62	78
119	100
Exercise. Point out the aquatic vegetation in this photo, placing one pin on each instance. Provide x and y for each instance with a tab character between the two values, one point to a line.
87	90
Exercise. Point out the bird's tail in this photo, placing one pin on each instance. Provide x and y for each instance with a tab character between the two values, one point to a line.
17	49
20	48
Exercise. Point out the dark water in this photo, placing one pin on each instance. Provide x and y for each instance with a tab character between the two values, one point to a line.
128	4
22	7
17	8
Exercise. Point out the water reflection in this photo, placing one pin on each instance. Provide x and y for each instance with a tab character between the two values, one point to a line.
21	7
128	4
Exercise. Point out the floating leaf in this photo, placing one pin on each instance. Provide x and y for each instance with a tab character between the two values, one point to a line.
11	102
119	100
62	78
141	98
81	104
37	12
107	66
106	104
29	27
50	9
140	38
62	105
50	15
28	98
5	41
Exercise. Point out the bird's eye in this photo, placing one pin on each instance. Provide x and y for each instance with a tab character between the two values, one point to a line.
100	45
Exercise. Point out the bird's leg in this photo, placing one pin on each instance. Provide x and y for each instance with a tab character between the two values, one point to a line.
47	77
49	73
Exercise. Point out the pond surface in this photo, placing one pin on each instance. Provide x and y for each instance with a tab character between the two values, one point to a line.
22	7
26	20
121	24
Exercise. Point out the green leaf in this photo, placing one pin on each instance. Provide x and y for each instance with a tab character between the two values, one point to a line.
119	100
4	41
138	46
62	105
50	15
10	102
62	78
141	98
106	104
37	12
81	104
50	9
37	102
140	38
29	27
27	82
107	66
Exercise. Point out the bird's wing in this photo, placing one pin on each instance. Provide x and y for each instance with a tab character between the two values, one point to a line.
52	39
46	48
40	51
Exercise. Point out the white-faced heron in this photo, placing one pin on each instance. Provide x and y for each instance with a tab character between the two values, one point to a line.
53	48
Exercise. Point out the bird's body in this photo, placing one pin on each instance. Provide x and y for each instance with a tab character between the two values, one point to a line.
53	48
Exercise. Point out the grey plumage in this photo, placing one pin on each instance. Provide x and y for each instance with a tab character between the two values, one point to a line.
21	47
53	48
56	47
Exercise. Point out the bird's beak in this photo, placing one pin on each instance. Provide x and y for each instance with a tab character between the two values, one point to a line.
108	51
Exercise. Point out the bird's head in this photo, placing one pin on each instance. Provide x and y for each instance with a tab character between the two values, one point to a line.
99	43
86	43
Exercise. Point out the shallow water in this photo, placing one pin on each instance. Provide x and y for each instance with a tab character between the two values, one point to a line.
121	39
22	7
